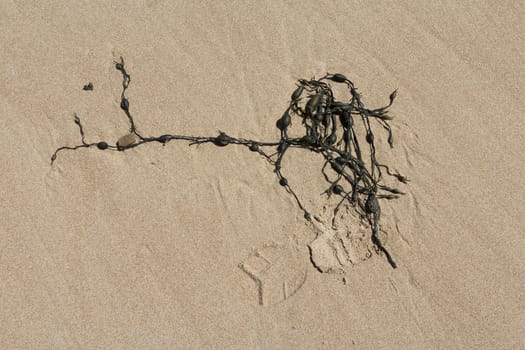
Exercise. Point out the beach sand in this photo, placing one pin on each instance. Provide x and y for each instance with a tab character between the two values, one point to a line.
177	247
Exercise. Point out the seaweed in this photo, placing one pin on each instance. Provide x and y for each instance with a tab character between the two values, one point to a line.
330	129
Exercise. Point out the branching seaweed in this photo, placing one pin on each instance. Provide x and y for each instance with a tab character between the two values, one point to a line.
329	129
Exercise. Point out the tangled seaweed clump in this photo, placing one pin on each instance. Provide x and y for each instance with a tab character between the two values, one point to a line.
330	129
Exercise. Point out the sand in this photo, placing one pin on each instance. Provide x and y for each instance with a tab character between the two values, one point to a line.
200	248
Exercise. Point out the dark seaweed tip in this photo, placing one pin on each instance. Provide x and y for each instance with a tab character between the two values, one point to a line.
297	93
402	179
393	96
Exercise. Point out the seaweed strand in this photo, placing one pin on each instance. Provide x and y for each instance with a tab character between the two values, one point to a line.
329	130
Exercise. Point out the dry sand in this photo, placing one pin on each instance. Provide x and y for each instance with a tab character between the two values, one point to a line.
199	248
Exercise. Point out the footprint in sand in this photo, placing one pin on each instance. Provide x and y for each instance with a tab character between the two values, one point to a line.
279	271
334	250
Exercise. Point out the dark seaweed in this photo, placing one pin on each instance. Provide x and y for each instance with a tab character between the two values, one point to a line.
88	87
329	129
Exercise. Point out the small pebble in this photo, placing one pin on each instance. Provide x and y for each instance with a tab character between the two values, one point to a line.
126	141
